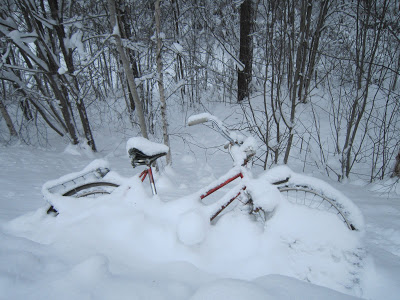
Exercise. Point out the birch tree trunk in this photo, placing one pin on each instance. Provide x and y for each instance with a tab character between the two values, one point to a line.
127	69
160	81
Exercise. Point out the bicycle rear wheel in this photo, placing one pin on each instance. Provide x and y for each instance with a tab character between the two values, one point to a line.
306	195
92	189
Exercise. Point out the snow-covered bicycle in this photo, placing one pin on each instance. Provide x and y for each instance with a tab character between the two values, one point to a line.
257	197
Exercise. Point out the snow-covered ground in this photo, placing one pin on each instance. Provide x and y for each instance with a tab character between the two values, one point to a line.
127	245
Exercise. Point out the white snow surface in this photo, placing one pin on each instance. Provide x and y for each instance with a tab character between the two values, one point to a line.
132	245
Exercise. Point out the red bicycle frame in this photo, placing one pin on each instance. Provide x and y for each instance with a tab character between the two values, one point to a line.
149	172
209	192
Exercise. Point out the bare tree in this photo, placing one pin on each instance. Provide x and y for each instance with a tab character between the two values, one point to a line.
44	62
160	80
246	49
365	54
127	69
6	116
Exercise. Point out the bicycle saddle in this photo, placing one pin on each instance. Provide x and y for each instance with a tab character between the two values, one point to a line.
139	158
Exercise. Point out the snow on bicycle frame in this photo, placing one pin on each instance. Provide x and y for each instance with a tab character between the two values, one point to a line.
280	178
258	196
93	179
241	149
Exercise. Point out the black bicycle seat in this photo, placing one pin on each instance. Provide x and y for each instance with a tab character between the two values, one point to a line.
139	158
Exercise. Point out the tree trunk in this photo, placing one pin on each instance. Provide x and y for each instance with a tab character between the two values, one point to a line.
396	171
69	79
160	81
365	60
46	60
7	118
180	74
127	68
246	49
324	5
125	30
304	47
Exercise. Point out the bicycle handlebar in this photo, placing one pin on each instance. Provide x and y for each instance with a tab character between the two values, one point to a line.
205	117
223	130
197	121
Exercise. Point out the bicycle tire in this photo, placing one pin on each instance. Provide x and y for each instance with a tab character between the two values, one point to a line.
93	189
306	195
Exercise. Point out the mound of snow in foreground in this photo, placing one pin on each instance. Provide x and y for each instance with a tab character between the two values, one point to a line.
30	270
117	246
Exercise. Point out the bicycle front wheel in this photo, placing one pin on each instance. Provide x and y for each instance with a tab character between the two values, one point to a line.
310	197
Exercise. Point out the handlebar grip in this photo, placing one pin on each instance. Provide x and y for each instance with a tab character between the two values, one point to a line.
195	121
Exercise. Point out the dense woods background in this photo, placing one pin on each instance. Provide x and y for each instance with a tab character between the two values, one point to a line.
291	66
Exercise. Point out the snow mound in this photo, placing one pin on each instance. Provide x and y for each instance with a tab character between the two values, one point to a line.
131	225
192	228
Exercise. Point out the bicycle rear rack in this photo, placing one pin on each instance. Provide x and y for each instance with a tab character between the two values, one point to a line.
90	176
